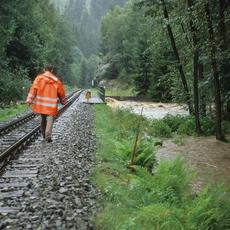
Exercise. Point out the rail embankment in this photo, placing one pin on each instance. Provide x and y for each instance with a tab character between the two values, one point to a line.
57	194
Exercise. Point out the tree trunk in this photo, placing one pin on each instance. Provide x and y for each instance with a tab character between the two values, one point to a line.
228	109
221	24
196	91
180	68
218	118
203	110
224	62
195	71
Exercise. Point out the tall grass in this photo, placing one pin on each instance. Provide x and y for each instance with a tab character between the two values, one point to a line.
12	110
152	196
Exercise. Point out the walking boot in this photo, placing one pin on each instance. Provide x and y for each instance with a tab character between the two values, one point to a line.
48	139
43	135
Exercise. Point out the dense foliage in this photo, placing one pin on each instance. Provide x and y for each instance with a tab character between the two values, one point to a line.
169	50
85	18
32	34
137	51
172	50
181	125
150	196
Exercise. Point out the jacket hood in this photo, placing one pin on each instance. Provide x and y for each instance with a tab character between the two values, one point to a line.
49	77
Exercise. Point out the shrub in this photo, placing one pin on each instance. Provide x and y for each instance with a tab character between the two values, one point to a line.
226	126
158	216
173	178
207	125
145	155
185	125
160	129
210	210
127	121
187	128
13	86
174	121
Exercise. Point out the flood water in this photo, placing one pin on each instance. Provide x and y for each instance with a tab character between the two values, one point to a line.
151	110
209	158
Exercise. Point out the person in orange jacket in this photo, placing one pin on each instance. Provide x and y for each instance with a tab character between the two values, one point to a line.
43	95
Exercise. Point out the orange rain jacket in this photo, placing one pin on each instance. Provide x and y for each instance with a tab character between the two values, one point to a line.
44	94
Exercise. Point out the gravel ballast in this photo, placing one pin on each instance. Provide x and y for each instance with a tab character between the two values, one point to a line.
61	195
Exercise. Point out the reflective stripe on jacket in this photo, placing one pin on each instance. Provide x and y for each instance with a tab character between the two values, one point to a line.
44	94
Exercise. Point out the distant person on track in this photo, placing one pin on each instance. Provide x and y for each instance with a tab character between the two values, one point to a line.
43	95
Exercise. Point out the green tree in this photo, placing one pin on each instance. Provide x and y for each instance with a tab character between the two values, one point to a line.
30	37
144	69
83	80
194	48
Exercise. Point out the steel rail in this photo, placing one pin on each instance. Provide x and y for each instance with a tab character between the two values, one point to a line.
13	124
16	123
10	152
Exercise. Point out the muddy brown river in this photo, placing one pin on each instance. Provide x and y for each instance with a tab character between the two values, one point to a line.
151	110
209	158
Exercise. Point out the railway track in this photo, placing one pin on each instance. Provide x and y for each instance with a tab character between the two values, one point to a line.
4	129
15	135
17	170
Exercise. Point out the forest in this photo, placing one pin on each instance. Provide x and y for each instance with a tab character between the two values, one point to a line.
169	51
30	37
172	51
85	18
109	164
35	33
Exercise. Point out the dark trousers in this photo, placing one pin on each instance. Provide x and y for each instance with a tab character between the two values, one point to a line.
46	125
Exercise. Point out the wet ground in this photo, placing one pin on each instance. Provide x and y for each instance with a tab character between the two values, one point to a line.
209	158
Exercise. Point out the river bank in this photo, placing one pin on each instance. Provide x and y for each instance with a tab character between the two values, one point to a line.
209	158
135	198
